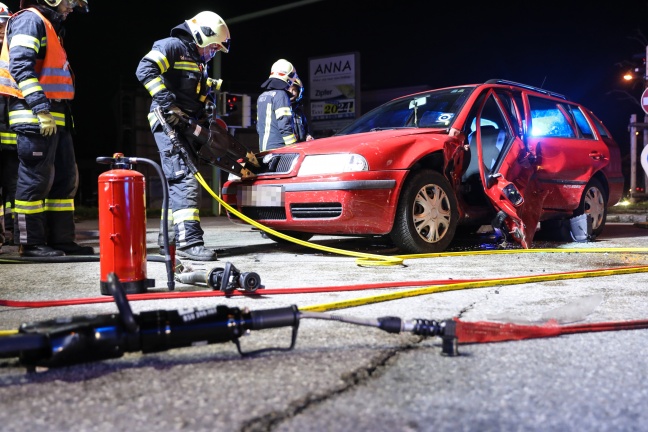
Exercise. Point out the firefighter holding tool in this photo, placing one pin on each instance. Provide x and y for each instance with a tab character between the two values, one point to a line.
174	72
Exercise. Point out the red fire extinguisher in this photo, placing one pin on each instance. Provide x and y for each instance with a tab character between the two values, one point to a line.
122	226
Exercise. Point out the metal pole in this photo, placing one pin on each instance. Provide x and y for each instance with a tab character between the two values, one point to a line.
216	172
633	155
645	176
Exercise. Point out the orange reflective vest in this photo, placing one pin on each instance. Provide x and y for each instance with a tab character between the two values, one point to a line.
54	74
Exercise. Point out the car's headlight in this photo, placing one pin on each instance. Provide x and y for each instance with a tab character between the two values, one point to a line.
333	164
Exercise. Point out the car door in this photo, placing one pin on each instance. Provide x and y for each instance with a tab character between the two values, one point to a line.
569	153
507	166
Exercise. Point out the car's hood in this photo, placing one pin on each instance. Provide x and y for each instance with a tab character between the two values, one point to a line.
350	143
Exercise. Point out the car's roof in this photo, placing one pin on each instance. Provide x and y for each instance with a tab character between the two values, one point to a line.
527	87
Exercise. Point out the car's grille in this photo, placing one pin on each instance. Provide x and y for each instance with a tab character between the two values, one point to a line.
267	213
315	211
279	163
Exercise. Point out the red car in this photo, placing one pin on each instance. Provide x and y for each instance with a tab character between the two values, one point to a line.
421	166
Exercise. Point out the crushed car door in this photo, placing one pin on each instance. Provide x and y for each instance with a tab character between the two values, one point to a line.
507	166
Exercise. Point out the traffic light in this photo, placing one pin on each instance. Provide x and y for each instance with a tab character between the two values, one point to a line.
236	109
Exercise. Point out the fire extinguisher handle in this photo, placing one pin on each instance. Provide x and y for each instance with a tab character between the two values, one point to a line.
105	160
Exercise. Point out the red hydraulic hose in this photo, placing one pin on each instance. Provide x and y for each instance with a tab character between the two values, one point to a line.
212	293
485	331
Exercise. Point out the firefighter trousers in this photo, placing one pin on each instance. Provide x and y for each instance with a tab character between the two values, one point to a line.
184	192
47	182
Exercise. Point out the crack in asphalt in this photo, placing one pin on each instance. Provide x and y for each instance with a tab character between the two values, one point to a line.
376	368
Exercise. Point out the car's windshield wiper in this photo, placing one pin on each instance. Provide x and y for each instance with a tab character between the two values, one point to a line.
388	128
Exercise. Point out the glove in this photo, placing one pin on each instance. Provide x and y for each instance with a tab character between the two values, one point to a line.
47	123
214	83
174	115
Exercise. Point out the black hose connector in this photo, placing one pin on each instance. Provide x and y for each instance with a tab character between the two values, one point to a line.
424	327
390	324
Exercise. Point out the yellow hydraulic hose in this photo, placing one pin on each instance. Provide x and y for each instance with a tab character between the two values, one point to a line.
468	285
378	260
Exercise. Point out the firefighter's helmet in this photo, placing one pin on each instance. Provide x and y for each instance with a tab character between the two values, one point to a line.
283	70
297	82
208	28
5	13
80	5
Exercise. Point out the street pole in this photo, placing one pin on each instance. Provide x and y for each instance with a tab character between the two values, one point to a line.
633	156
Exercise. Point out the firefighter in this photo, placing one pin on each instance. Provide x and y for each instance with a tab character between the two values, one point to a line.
274	115
302	130
8	156
174	73
41	85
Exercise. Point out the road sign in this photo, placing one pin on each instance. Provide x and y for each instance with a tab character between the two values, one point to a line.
644	100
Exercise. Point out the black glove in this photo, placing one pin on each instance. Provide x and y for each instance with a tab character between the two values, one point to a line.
174	115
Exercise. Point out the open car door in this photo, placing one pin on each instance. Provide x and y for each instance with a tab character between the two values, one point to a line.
507	166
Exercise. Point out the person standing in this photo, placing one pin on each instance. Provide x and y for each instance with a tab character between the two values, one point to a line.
274	115
302	130
8	156
174	72
41	86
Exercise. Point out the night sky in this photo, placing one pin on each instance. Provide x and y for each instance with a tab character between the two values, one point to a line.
576	48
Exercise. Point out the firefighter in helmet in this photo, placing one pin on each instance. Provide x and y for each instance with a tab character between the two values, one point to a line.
274	116
36	74
174	72
302	130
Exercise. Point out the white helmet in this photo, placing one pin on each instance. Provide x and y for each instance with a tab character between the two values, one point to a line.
5	13
81	4
284	70
208	28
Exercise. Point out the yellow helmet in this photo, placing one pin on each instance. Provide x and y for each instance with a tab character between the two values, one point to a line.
283	70
208	28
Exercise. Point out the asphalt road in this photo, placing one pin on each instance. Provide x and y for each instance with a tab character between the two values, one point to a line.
345	374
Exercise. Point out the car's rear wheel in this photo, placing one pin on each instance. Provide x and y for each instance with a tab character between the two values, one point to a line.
594	203
427	214
296	234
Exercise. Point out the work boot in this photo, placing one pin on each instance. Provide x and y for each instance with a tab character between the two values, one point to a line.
197	253
72	248
39	251
8	238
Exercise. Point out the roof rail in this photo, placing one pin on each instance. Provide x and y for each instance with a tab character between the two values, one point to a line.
526	86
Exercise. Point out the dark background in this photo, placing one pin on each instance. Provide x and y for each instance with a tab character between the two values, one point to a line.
576	48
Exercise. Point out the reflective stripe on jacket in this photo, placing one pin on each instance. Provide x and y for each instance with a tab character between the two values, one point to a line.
54	76
274	120
173	74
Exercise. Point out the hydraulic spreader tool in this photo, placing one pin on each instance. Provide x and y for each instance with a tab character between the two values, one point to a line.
212	144
81	339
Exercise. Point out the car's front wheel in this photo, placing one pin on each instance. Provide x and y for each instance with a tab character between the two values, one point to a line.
427	214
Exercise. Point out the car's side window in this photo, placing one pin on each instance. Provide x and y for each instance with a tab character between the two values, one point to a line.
548	120
581	121
514	107
599	125
495	135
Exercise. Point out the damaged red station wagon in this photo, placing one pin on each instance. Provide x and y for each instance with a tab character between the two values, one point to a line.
422	166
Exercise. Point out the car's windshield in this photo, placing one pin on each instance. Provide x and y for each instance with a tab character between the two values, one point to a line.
435	109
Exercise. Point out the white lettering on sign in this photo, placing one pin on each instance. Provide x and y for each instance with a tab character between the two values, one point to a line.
333	67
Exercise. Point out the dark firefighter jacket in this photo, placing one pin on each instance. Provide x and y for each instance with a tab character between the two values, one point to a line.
35	45
274	116
301	122
173	74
